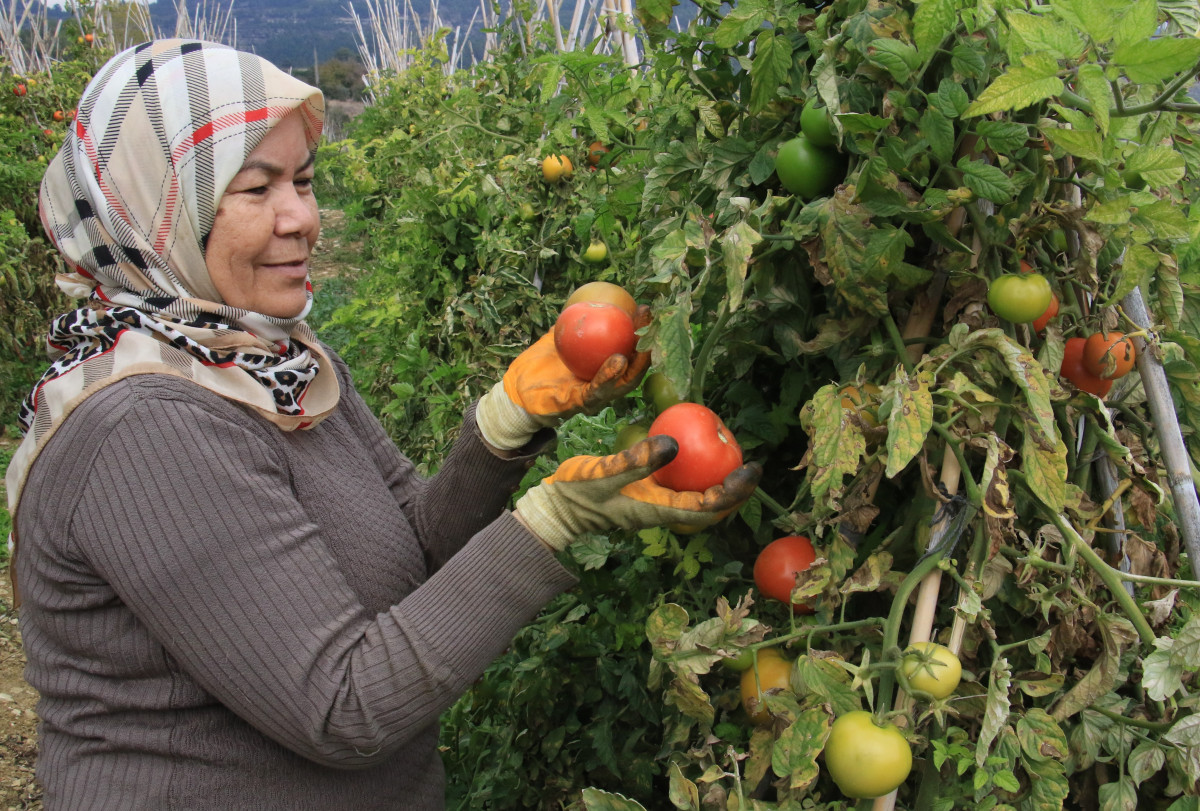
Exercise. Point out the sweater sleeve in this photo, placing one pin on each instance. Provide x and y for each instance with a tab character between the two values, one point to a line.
191	518
434	506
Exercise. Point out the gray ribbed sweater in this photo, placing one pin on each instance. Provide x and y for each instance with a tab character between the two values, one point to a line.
221	615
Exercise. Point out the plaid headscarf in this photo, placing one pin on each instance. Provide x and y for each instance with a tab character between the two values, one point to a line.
129	201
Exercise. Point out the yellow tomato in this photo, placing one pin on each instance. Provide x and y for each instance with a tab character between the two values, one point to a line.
774	673
556	168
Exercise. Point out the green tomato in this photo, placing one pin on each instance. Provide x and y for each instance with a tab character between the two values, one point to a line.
661	392
596	252
740	662
527	212
805	169
931	668
1058	240
865	759
1019	298
816	123
630	435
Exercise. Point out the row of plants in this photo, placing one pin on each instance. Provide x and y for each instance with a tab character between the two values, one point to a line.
855	294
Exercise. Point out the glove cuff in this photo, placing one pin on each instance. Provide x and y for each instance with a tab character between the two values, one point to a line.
503	423
540	509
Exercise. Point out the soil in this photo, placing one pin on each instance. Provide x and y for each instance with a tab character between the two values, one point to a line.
18	719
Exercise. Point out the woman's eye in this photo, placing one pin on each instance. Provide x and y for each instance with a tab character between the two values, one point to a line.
303	182
257	190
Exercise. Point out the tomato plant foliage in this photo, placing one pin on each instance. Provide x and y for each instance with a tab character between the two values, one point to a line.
970	137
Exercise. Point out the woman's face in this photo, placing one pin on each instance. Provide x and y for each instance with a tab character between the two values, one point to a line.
267	223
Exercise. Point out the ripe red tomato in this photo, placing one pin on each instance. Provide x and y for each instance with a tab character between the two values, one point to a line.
1074	370
865	759
589	333
1042	320
805	169
1108	355
89	38
20	90
707	450
1019	298
57	115
777	565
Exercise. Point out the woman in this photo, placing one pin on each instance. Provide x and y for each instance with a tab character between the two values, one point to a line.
236	592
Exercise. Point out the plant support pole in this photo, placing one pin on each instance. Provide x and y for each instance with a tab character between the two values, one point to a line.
1170	438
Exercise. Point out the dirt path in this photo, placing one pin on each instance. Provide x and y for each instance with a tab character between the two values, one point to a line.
18	720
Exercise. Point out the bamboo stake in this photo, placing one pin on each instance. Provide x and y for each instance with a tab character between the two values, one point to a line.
1166	425
552	11
576	22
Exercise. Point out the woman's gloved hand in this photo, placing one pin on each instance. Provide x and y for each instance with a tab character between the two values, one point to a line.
538	390
598	493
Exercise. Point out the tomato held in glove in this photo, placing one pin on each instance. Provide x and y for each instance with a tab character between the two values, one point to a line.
805	169
1108	355
589	333
777	565
1019	298
1073	369
774	673
864	759
707	450
932	668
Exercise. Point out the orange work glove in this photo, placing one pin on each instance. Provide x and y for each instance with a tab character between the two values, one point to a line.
538	390
598	493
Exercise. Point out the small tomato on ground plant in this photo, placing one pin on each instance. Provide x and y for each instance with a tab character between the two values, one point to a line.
1073	369
866	760
1019	298
777	565
1108	355
707	450
774	672
590	332
596	252
931	668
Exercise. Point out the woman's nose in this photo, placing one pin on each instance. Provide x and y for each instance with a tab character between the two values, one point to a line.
297	214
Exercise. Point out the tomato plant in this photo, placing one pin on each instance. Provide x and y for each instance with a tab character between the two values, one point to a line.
932	668
590	332
805	169
864	758
1073	369
707	450
777	565
771	671
816	124
1108	355
1019	298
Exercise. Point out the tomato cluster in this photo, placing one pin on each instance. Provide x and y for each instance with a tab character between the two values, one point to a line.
807	165
595	324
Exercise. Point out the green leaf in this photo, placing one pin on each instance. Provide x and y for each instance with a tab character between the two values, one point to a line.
1094	17
737	246
682	792
1138	23
933	21
1086	145
1118	796
987	181
827	681
1136	266
996	711
1154	60
896	57
1157	165
1043	33
1040	735
795	753
742	20
1003	136
595	799
772	62
939	132
1145	761
1116	211
862	122
1034	80
1098	91
910	420
951	98
1165	220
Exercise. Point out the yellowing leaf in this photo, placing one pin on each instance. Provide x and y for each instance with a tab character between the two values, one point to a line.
1035	79
910	420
